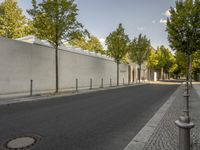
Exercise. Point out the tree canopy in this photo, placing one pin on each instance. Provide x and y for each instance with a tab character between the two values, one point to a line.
13	24
165	58
166	61
182	62
90	43
117	43
139	49
152	59
55	20
184	26
196	61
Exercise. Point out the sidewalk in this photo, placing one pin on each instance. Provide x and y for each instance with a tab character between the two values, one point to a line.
164	134
19	99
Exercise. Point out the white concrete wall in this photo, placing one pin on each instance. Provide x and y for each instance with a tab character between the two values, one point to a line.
20	62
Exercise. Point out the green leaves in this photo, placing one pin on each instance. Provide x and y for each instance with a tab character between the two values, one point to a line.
152	59
91	44
184	26
139	49
117	43
12	23
196	61
55	20
165	58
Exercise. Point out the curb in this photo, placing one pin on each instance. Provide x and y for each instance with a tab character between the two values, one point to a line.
38	98
139	141
197	88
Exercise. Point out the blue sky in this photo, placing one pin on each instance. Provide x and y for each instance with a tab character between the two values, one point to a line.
101	17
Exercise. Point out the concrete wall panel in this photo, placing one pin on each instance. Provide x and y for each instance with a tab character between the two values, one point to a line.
20	62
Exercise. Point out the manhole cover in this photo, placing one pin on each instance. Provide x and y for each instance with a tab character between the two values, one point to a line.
21	143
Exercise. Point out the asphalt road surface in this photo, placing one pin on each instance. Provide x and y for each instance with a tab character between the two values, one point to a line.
104	120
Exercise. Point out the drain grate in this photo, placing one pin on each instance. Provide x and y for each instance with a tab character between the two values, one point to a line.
21	143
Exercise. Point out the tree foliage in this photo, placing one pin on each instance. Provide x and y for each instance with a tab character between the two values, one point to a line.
117	43
90	43
184	26
12	23
165	58
55	20
196	61
79	42
139	49
181	62
95	45
162	59
152	59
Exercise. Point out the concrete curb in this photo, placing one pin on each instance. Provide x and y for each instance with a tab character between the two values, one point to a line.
38	98
139	141
197	88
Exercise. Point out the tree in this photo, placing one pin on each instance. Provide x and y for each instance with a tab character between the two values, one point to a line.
183	26
117	43
196	61
12	23
93	44
90	43
55	20
184	29
152	59
181	62
139	49
79	42
165	60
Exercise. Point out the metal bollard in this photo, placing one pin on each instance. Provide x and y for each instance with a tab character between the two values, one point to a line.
184	133
110	82
31	87
123	81
91	84
102	83
76	85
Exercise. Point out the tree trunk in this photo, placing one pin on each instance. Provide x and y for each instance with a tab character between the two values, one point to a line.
190	70
187	70
56	59
162	74
149	74
139	72
117	72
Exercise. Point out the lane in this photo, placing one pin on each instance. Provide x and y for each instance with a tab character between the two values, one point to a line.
104	120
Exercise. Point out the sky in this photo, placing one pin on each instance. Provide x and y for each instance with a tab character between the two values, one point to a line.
101	17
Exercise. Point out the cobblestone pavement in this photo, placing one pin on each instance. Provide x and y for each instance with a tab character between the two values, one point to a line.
165	136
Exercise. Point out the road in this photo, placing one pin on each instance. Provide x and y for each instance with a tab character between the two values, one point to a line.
103	120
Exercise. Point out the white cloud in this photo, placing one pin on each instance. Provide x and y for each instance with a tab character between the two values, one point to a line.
140	28
163	21
103	42
167	13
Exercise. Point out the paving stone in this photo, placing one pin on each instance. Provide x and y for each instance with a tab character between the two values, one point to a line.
165	136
